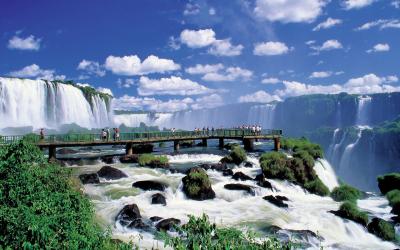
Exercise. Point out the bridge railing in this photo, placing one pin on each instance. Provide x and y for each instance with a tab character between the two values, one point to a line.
143	136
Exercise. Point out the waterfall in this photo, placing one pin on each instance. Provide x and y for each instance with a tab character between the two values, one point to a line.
39	103
363	110
332	145
262	115
346	157
326	173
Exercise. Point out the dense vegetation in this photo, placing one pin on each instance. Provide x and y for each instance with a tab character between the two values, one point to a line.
199	233
346	193
236	156
149	159
299	169
41	205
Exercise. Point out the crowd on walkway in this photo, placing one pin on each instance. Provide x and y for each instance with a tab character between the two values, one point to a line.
255	129
105	134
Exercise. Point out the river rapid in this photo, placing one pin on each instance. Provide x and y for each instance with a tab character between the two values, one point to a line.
306	220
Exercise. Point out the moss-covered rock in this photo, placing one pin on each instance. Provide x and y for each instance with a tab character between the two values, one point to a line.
197	185
394	200
153	161
345	193
236	156
382	229
348	210
317	187
389	182
231	145
302	144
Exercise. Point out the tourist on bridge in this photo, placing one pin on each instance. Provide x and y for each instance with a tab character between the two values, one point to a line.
117	134
42	134
103	134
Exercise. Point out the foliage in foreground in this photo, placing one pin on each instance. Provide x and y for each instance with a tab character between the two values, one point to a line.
346	193
199	233
41	205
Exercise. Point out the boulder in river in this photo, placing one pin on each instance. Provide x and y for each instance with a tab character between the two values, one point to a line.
227	172
149	185
277	200
129	159
155	218
216	167
138	224
248	164
262	181
240	176
108	159
111	173
242	187
389	182
167	224
91	178
128	214
158	198
197	185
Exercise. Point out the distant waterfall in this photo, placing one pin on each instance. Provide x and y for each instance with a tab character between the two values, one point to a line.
363	110
38	103
345	160
262	115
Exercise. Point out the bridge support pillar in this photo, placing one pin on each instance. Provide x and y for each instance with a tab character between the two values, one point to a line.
248	144
277	144
176	145
204	142
221	143
129	148
52	154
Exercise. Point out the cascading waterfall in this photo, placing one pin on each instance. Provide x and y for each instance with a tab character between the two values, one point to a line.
363	110
346	157
39	103
333	143
262	115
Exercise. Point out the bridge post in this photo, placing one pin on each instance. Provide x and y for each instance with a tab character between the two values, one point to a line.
129	148
277	144
204	142
248	144
221	143
176	145
52	153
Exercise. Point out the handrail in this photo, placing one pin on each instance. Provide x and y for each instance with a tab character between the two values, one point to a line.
143	136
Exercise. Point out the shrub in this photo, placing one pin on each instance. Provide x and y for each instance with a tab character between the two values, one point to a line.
275	165
349	210
199	233
148	159
345	193
394	200
197	185
389	182
41	205
302	144
238	155
382	229
317	187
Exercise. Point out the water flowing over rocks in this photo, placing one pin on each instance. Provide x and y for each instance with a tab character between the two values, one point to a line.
240	176
128	214
241	187
108	159
167	224
262	181
150	185
277	200
129	159
158	199
111	173
92	178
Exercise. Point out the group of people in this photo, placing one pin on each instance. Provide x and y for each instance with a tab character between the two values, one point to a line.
255	129
105	134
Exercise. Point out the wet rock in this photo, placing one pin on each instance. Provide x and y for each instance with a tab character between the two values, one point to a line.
262	181
197	185
128	214
382	229
111	173
92	178
240	176
129	159
216	167
156	163
66	151
167	224
158	199
227	172
282	198
108	159
155	218
138	224
241	187
276	200
248	164
389	182
149	185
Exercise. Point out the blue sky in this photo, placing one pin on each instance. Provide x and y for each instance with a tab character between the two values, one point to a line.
174	55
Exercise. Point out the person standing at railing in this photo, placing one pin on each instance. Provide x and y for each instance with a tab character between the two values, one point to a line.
42	134
117	134
212	131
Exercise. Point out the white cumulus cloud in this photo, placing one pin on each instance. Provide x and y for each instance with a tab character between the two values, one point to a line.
132	65
34	71
320	74
270	49
197	38
327	45
204	69
271	80
91	68
229	74
328	23
225	48
380	47
356	4
289	11
259	96
28	43
173	85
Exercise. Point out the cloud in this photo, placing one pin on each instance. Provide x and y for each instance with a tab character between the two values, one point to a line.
191	9
259	96
328	23
230	74
127	83
289	11
174	43
356	4
28	43
34	71
132	65
328	45
396	4
320	74
91	68
271	80
381	23
105	91
212	12
380	47
225	48
197	38
204	69
270	49
170	86
367	84
208	101
206	38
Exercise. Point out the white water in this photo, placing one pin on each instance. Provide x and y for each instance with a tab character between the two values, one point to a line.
262	115
346	157
35	103
363	110
235	208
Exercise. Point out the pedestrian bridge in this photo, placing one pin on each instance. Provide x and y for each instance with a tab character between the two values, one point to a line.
129	139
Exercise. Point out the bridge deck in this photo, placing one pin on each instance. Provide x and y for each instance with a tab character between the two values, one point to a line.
70	140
